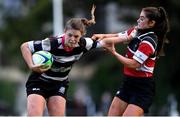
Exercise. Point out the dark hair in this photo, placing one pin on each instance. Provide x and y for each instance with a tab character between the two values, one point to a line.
158	14
81	23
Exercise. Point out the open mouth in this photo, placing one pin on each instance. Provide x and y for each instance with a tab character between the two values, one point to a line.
72	44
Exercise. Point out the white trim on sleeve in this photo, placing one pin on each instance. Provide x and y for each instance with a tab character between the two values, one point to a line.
46	44
89	43
31	46
140	57
123	35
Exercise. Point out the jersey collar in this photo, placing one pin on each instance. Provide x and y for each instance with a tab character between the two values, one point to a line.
67	49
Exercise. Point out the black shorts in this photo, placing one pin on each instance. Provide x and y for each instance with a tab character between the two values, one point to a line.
46	87
137	91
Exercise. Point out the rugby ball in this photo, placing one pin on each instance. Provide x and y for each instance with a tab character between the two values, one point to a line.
43	58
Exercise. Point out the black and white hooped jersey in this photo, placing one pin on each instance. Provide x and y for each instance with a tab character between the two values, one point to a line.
63	60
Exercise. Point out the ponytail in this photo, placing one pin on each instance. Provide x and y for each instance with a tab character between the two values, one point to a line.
81	23
161	27
164	29
92	21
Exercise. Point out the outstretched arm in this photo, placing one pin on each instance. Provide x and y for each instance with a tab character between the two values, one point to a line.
115	38
121	37
101	36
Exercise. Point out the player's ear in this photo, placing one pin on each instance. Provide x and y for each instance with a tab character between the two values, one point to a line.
152	23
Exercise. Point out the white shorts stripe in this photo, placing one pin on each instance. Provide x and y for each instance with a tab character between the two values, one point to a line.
54	78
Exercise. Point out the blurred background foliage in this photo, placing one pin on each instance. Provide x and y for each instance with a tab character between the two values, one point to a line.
32	19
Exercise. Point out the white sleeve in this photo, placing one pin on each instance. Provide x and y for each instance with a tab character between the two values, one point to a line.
140	57
46	44
31	46
40	45
89	43
123	35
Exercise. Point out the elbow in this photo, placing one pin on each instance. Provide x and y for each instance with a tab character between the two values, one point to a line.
135	65
23	46
138	65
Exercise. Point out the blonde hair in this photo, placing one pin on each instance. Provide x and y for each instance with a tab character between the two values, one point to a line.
81	23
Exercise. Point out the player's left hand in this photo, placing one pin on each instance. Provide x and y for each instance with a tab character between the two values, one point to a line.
97	36
110	47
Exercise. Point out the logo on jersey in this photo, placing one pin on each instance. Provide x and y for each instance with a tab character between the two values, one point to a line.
62	90
36	89
118	92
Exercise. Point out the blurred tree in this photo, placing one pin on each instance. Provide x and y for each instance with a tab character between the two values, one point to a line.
24	28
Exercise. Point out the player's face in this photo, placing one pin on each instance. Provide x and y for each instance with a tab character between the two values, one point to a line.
143	21
72	37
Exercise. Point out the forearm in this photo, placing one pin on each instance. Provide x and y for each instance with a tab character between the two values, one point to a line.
27	55
109	35
102	36
115	40
131	63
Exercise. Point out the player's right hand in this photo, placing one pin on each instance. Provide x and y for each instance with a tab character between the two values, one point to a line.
39	68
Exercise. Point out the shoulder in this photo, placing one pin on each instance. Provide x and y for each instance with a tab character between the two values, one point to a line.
85	40
57	39
82	42
130	30
88	43
150	38
126	32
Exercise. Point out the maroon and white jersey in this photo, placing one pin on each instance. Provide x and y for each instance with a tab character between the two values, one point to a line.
142	49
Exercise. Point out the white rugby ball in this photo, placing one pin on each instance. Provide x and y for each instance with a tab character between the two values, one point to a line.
42	58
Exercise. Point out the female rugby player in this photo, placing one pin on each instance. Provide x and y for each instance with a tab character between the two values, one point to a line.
145	44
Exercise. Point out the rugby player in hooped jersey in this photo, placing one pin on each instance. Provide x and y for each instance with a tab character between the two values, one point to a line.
145	44
49	86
